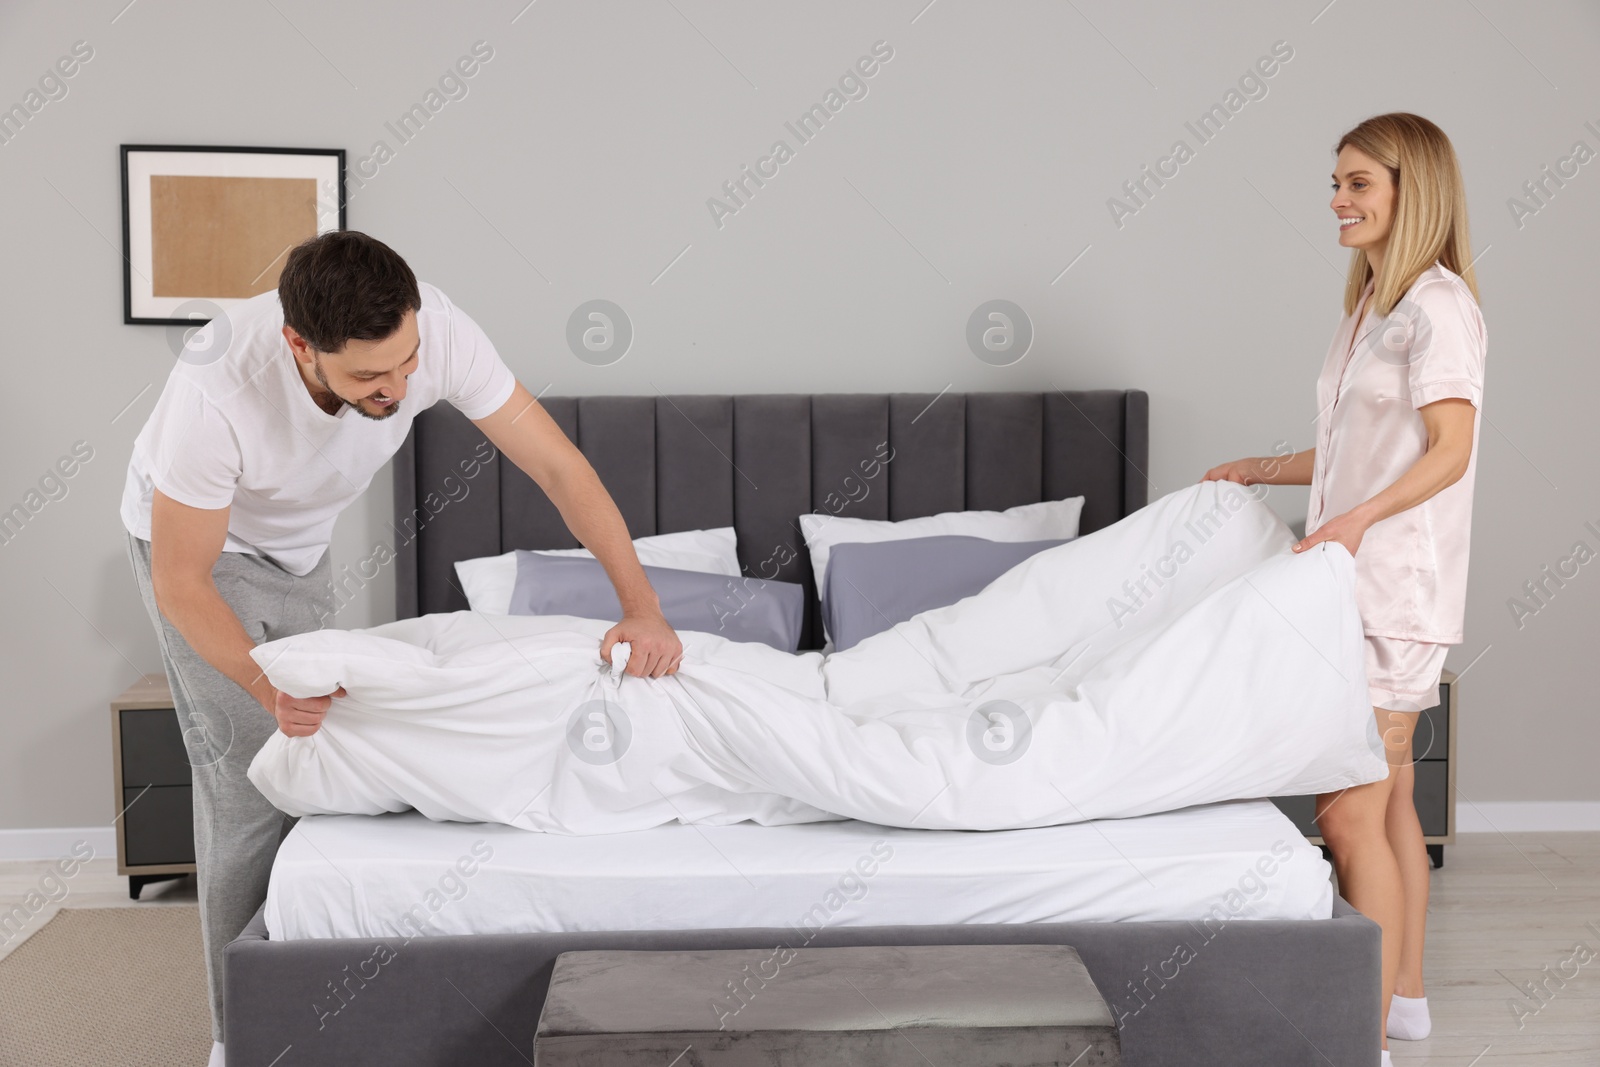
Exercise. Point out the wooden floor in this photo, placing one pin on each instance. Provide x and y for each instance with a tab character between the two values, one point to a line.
1507	911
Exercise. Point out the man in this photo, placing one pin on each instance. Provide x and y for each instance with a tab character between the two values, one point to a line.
274	420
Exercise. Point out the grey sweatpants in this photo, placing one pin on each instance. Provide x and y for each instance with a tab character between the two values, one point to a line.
236	830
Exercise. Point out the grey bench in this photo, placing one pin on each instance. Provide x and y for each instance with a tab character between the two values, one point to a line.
938	1005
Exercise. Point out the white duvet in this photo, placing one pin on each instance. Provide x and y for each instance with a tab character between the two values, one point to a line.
1180	656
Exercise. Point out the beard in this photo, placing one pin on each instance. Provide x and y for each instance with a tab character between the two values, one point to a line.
316	369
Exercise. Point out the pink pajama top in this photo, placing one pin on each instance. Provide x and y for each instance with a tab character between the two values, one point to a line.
1411	568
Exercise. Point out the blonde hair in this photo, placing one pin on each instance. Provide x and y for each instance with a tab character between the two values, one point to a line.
1430	210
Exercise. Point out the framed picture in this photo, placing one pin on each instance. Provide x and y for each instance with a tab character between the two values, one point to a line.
204	228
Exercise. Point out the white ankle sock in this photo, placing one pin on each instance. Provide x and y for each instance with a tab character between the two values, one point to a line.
1387	1062
1408	1018
216	1055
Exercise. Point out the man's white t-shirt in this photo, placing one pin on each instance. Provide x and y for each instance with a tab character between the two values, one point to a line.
241	431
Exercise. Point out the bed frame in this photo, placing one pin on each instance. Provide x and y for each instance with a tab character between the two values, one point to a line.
1268	993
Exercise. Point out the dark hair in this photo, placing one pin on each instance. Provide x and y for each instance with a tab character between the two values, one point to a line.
345	286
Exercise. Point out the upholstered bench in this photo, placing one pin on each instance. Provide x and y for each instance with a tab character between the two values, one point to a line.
949	1005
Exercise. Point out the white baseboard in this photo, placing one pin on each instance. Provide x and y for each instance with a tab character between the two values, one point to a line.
56	841
1511	816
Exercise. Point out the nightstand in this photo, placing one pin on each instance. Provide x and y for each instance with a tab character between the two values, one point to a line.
1433	748
150	769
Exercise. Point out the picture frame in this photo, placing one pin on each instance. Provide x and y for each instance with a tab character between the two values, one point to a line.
205	227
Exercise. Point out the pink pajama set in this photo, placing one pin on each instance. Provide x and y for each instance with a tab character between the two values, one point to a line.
1411	568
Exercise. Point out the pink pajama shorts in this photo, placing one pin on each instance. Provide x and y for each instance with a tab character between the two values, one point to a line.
1404	675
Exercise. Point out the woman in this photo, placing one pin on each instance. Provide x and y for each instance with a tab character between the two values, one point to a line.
1391	480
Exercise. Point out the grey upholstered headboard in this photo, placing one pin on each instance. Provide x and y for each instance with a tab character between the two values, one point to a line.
757	463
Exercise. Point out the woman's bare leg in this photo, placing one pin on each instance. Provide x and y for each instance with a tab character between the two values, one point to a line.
1353	822
1411	853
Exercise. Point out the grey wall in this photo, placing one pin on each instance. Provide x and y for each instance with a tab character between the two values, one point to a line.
978	166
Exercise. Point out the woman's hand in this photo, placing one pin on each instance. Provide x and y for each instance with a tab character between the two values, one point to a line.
1281	468
1243	471
1347	529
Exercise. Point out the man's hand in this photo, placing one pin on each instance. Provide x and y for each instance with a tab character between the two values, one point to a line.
656	648
1347	529
302	717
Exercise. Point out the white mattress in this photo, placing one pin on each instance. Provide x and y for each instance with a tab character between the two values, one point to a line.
403	875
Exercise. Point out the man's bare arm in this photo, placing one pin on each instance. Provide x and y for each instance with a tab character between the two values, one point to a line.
530	438
185	544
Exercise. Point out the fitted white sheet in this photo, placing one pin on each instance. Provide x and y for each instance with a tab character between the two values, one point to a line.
359	875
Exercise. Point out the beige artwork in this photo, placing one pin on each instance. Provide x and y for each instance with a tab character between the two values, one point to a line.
225	237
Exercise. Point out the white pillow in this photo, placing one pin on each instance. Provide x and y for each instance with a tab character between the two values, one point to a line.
1049	520
489	580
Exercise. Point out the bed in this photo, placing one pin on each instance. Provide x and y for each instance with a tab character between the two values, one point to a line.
1202	954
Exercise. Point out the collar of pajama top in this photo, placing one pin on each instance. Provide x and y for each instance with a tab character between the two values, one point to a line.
1411	568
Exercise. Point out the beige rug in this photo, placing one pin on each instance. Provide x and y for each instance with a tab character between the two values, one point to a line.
113	986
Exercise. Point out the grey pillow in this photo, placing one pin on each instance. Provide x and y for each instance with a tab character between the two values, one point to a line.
739	609
871	587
